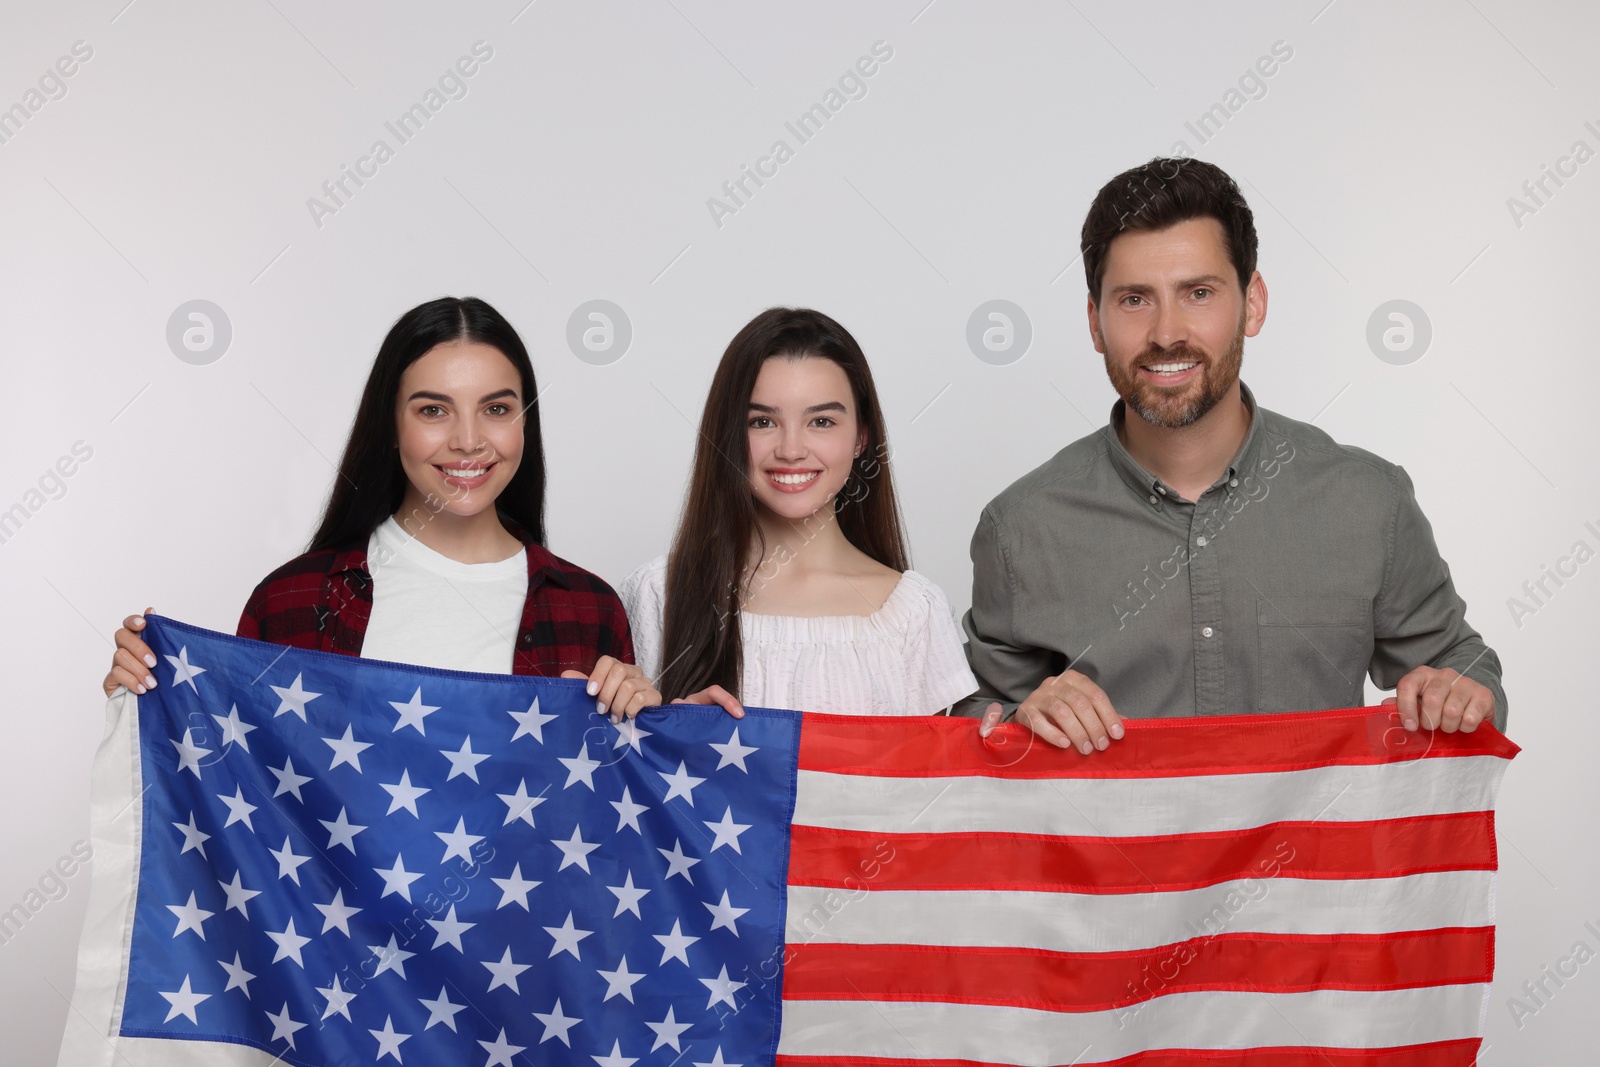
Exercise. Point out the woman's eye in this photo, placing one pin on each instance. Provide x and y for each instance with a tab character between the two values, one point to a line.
428	411
823	421
499	409
760	422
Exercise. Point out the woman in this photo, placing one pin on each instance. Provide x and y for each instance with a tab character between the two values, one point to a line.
431	548
788	583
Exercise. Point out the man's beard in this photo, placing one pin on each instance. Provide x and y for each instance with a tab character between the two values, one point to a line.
1172	407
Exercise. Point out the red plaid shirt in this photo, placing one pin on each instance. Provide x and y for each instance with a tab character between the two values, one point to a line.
322	600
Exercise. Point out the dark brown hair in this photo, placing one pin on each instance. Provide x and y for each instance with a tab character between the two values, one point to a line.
1162	193
706	579
371	482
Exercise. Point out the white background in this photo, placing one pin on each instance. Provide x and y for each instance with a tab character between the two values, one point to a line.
178	166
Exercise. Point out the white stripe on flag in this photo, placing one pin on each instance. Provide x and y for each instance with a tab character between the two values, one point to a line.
1205	1020
1129	922
1137	807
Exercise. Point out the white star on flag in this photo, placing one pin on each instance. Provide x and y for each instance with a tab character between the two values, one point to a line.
449	930
288	862
458	842
722	989
620	982
500	1050
675	946
184	671
530	723
397	879
724	914
342	832
412	712
391	957
630	733
238	895
193	836
338	1000
190	916
727	832
189	754
288	781
628	812
677	862
283	1027
238	808
388	1041
336	913
463	760
442	1010
238	977
184	999
520	805
680	784
716	1061
616	1059
567	937
733	753
294	699
514	890
289	944
347	749
403	794
667	1031
556	1024
580	768
575	850
234	729
627	897
505	972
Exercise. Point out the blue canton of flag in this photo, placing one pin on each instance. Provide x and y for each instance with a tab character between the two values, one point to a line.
344	861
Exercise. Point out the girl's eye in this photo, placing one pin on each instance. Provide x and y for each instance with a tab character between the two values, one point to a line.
824	421
760	422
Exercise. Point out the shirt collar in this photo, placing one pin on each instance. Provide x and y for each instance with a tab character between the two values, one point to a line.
542	563
1147	484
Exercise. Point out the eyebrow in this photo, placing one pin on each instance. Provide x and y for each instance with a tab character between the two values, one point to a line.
1215	281
832	405
422	394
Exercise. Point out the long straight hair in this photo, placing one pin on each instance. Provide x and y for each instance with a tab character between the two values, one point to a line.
707	578
371	482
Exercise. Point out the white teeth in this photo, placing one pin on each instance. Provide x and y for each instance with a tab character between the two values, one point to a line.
465	472
1171	368
793	479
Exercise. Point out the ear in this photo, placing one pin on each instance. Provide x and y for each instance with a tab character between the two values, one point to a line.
1094	327
1255	305
861	442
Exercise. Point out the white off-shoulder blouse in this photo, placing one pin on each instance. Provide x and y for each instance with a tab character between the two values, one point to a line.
903	659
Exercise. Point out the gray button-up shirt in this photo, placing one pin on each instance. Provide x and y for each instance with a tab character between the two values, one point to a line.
1306	566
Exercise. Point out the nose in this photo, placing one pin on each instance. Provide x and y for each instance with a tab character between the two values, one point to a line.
1169	326
467	437
791	444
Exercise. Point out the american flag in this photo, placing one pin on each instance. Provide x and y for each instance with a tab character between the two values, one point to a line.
320	860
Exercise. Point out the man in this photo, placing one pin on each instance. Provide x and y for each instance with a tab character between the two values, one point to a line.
1202	555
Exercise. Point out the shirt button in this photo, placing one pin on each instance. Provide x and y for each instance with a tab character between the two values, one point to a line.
527	638
1206	632
1153	499
1201	541
1233	482
1161	489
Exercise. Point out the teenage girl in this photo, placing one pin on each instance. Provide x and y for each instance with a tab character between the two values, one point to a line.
788	584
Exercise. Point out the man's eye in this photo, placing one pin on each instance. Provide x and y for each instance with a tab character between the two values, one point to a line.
1132	300
1201	294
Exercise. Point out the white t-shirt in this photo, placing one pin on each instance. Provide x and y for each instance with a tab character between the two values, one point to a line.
431	610
903	659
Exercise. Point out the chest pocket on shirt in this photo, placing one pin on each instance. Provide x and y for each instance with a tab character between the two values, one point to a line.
1313	652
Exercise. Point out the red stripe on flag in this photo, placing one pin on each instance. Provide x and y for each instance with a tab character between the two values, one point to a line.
937	746
1039	863
1110	981
1463	1053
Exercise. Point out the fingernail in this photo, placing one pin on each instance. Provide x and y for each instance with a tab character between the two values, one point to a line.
1084	748
983	731
592	689
139	689
1116	730
600	707
1409	724
1101	744
149	660
150	681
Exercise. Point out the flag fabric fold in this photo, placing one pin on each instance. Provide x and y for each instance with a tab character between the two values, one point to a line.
315	859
